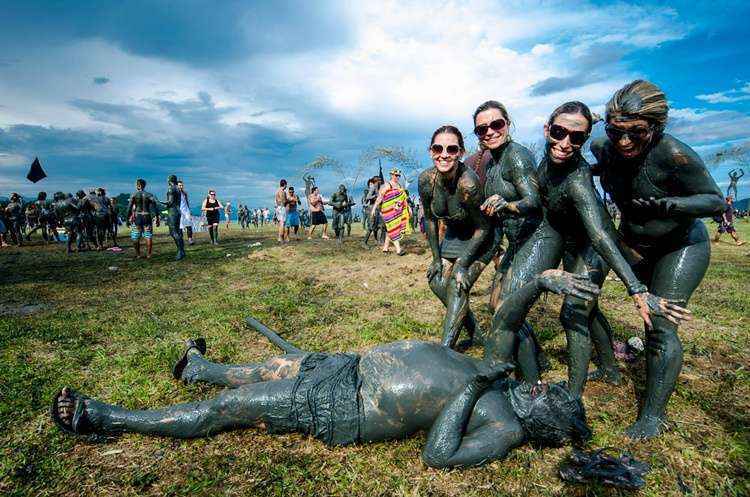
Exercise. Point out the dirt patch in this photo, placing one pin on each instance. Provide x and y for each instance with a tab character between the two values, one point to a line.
22	309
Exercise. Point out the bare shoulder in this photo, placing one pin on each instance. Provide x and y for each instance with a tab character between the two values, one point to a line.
677	153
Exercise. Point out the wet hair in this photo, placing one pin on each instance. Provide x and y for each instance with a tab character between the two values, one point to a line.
574	107
282	182
550	416
639	99
172	179
448	128
141	182
492	104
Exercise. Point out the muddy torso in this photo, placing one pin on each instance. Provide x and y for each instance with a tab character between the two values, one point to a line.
652	175
405	386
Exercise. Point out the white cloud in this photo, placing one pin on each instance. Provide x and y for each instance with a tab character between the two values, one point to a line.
728	96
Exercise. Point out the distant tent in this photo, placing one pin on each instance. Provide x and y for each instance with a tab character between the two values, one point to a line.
36	173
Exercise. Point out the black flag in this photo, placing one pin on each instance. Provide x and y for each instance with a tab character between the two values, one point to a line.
36	173
380	173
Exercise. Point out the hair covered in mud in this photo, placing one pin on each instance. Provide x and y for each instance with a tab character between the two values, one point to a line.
549	414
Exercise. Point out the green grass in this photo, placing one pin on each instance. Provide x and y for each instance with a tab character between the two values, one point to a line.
115	335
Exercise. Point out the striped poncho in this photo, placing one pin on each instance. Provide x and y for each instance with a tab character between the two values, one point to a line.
395	212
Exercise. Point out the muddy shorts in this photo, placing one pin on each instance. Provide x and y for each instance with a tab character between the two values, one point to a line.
324	402
142	227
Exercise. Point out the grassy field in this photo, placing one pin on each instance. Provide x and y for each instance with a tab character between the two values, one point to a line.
112	326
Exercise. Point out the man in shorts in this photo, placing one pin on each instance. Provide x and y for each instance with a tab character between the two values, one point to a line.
142	210
726	223
281	208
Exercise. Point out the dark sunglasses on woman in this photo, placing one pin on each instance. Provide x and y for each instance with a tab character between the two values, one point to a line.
559	133
496	125
634	134
451	149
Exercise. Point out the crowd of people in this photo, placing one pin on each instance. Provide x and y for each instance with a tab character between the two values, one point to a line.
92	220
552	216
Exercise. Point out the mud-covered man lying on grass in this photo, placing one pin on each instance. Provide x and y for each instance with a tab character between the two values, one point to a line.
473	412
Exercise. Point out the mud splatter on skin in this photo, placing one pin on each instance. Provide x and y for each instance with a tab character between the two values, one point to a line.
673	243
467	240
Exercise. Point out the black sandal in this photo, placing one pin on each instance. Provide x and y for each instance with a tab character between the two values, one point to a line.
179	367
80	425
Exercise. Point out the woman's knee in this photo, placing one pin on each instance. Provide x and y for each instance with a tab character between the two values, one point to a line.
574	315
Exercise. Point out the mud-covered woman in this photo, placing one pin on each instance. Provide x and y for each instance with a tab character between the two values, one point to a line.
662	188
452	193
472	412
575	221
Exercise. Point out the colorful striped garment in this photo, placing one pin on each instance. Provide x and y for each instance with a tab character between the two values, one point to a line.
395	212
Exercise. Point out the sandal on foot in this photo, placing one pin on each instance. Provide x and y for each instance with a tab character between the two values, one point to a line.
179	367
79	423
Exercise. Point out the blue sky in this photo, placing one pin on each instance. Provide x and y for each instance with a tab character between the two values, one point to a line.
235	95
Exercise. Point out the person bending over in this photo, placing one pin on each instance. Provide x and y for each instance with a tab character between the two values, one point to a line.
662	189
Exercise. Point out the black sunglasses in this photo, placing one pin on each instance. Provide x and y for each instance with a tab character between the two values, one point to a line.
637	134
496	125
559	133
451	149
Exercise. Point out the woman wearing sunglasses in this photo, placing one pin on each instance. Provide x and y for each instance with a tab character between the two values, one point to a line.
451	192
576	224
662	188
510	185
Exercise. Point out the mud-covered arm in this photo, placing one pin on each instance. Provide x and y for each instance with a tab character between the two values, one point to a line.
523	175
701	197
426	185
471	191
449	444
600	228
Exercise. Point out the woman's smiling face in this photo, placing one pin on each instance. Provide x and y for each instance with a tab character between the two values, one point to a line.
493	138
445	151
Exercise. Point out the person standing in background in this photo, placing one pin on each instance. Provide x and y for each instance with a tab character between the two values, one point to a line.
280	199
228	213
186	221
211	206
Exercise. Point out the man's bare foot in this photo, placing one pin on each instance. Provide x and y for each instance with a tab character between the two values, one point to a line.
69	411
66	407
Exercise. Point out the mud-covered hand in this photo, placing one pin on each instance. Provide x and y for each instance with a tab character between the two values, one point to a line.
564	283
649	305
435	269
663	207
461	275
484	379
493	205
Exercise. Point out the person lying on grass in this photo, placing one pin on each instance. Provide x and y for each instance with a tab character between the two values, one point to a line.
472	411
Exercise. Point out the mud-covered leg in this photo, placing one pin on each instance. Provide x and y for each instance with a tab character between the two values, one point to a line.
200	369
241	407
457	306
540	252
601	338
438	285
676	275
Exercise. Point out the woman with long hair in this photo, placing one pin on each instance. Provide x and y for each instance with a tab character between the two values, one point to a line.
575	223
452	193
